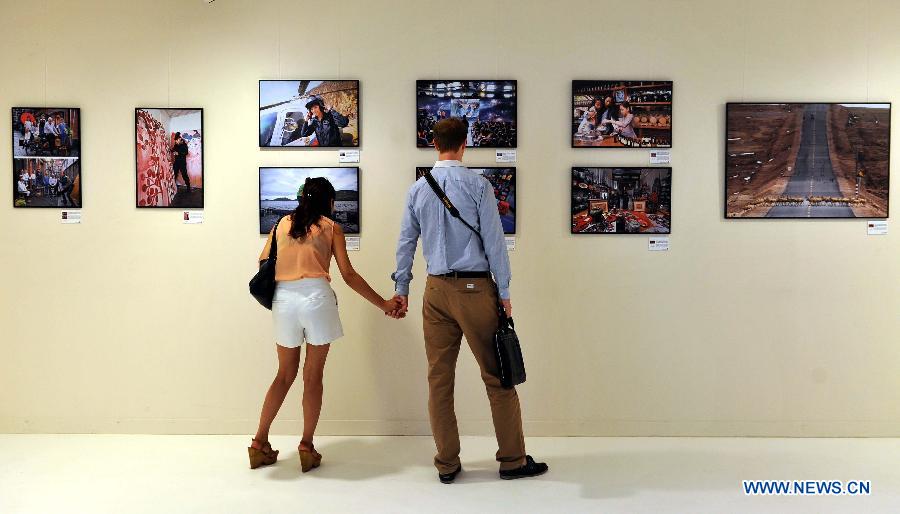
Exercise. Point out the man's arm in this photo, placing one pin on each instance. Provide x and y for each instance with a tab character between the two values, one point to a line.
494	239
406	248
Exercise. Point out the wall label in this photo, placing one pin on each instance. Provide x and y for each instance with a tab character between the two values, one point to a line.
658	244
192	217
510	243
352	243
660	156
70	217
506	155
877	227
345	156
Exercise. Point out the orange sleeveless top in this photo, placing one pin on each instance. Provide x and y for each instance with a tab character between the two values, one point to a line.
309	257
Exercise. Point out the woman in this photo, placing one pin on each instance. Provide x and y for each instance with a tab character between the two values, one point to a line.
624	125
305	308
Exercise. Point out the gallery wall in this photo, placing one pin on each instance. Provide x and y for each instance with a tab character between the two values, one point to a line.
135	322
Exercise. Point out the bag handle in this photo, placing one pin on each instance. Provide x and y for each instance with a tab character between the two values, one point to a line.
455	213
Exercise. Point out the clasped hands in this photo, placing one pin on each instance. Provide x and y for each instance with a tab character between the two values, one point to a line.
397	306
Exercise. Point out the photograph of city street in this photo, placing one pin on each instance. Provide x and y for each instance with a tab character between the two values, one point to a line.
622	114
489	106
46	132
47	182
281	188
169	157
807	160
504	181
621	200
308	113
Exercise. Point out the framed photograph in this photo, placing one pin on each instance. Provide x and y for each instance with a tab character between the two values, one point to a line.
489	106
504	181
46	154
621	200
807	160
281	187
621	114
168	158
308	113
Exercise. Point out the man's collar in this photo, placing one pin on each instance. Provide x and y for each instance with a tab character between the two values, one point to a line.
449	164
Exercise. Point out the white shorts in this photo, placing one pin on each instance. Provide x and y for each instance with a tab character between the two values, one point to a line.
305	310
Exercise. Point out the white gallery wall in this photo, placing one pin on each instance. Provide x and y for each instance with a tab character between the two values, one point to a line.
135	322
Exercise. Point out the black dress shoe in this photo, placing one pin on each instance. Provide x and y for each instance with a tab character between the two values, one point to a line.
448	478
530	469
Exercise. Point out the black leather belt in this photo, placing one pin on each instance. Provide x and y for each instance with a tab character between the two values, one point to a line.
466	274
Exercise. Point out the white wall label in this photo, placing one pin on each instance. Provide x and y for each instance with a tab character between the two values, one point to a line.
70	217
352	243
658	244
348	156
660	156
510	243
192	217
506	155
877	227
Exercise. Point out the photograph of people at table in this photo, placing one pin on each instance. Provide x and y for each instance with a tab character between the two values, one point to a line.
629	114
621	200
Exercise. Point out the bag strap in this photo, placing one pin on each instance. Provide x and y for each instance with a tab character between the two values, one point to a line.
448	204
455	213
273	250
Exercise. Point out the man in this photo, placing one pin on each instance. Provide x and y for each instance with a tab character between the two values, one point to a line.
460	299
179	161
326	124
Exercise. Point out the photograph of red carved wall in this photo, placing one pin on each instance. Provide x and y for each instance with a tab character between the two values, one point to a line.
169	157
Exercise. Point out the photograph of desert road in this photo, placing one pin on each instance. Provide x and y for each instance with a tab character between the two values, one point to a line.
807	160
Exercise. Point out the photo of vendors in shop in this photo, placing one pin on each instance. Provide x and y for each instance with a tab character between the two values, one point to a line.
621	200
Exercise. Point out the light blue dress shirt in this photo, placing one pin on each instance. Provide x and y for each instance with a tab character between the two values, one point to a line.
447	244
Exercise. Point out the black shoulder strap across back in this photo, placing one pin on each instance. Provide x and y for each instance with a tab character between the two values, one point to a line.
448	204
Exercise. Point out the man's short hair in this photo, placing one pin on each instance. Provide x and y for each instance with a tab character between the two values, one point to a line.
450	134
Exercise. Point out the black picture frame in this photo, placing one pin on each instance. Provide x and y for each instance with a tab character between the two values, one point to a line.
572	200
284	212
14	158
202	160
420	170
725	165
651	84
318	147
515	98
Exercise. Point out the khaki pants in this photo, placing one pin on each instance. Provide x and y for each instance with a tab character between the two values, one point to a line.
454	307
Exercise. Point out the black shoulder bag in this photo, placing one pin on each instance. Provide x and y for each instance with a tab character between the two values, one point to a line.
262	285
506	343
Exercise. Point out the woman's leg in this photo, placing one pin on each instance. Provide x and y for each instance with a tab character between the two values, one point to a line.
288	364
313	372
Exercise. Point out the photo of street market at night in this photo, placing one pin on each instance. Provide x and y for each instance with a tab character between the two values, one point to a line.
621	200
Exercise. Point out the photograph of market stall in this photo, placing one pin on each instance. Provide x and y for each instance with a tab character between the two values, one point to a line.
621	200
804	160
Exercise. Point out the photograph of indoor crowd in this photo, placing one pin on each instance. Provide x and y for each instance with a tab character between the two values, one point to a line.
629	114
489	107
504	181
621	200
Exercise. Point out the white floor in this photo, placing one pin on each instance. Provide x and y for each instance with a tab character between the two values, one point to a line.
174	474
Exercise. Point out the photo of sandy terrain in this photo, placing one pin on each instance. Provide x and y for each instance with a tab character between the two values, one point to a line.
807	160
